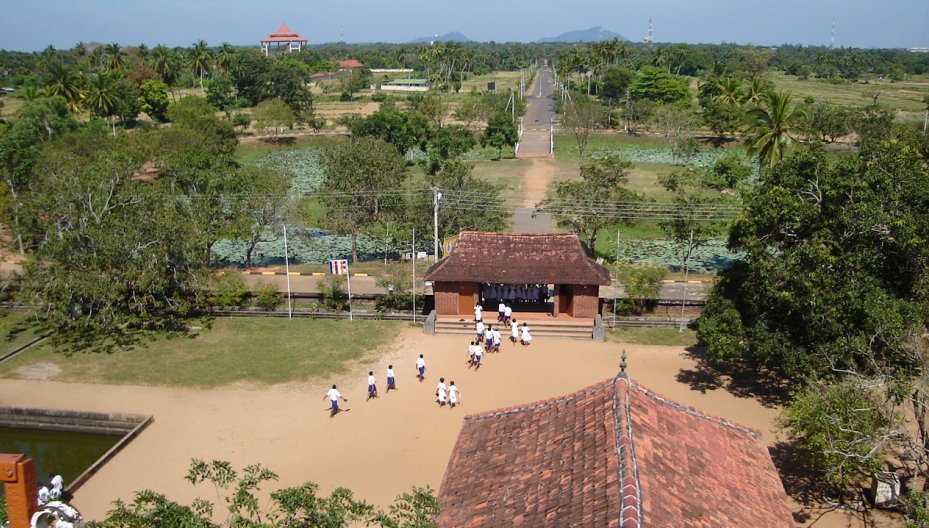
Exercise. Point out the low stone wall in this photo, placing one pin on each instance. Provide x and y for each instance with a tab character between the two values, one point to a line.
128	426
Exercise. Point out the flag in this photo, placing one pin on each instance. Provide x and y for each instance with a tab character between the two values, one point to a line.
338	267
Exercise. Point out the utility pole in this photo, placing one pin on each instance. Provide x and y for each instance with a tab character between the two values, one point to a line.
436	196
616	288
290	304
413	260
690	245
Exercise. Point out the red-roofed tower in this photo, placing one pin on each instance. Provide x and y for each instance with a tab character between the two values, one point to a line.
282	36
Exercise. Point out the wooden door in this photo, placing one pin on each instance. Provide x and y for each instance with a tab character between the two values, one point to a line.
465	297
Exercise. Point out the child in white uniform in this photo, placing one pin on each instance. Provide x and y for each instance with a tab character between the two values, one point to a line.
453	394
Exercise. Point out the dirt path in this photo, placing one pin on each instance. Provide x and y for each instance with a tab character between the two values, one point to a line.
378	448
538	176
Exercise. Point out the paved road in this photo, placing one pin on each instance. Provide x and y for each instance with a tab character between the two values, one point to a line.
536	139
366	286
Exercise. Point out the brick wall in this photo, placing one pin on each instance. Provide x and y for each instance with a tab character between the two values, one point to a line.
586	301
446	298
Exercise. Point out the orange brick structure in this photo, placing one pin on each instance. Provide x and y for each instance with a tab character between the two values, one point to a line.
19	486
518	268
612	455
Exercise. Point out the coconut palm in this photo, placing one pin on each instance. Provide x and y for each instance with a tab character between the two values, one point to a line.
679	55
200	58
771	126
142	51
115	58
166	64
67	82
79	50
730	91
755	92
225	57
659	58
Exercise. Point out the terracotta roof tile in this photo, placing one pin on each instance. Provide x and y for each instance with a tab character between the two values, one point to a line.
503	258
613	454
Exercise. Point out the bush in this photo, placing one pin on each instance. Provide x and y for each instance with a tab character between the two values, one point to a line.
227	290
345	97
241	121
268	296
379	97
331	293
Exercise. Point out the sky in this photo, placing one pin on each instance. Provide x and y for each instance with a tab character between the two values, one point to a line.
31	25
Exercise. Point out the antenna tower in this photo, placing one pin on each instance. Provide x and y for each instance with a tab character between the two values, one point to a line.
649	38
342	34
832	36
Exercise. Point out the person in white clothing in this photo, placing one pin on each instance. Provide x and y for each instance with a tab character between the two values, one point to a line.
421	368
42	495
478	353
471	354
453	394
496	339
479	331
333	394
441	393
507	314
372	385
391	380
55	486
478	309
514	329
526	336
501	311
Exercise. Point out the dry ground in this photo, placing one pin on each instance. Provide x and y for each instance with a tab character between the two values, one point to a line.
379	447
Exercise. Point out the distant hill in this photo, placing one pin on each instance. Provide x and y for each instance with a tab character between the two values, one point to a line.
454	36
585	35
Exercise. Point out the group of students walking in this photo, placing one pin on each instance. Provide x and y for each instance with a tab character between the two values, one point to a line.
487	340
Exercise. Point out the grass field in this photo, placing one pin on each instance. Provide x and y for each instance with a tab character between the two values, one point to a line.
507	172
249	150
15	330
226	351
905	96
653	336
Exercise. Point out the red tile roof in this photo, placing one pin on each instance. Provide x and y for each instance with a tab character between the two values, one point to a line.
611	455
503	258
283	34
350	63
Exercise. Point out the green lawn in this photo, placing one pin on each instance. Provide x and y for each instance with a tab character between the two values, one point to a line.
15	330
260	351
653	336
507	172
250	150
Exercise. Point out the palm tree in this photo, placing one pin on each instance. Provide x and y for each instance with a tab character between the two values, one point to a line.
143	51
679	55
115	60
400	56
66	82
659	58
166	64
730	91
101	98
79	50
771	123
225	57
756	90
200	58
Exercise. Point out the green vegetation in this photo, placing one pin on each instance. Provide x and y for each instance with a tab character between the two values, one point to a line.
654	336
261	351
16	329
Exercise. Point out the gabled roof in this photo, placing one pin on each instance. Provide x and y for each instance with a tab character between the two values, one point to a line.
350	64
612	455
504	258
283	34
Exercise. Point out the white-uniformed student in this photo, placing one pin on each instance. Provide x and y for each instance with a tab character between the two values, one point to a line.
478	312
489	338
507	315
526	337
441	393
514	329
479	331
333	394
372	385
496	339
421	368
478	353
391	380
453	394
501	312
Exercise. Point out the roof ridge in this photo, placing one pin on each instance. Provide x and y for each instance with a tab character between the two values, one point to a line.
538	404
693	411
630	487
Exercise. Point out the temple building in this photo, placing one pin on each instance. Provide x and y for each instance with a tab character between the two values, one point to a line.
283	36
611	455
546	274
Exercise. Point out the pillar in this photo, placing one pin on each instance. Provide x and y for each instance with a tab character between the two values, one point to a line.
18	475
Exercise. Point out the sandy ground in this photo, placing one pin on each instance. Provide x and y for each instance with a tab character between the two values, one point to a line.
378	448
536	180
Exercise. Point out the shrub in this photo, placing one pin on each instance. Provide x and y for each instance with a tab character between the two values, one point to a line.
345	97
379	97
331	293
227	290
268	296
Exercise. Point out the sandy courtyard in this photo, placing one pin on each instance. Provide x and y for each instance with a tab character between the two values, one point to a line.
378	448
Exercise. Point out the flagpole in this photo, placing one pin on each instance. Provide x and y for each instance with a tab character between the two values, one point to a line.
414	274
348	279
290	309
